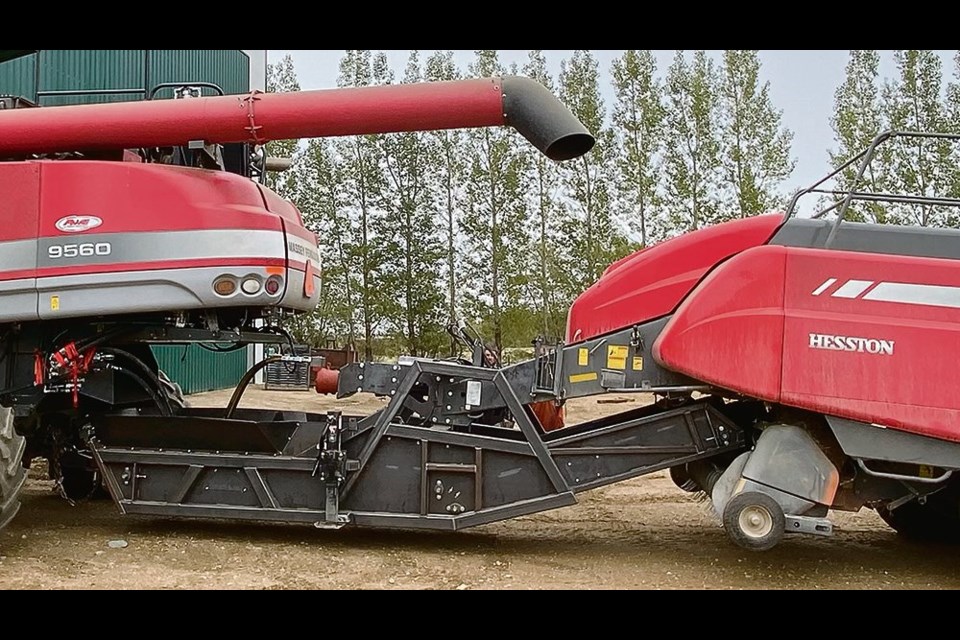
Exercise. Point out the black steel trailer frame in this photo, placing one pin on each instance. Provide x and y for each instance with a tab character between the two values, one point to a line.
395	468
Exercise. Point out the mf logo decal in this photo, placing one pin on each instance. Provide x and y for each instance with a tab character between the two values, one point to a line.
852	344
78	224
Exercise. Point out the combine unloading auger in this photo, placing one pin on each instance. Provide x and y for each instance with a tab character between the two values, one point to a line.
257	118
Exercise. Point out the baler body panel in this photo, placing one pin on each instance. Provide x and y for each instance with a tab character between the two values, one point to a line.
729	331
874	338
868	337
651	283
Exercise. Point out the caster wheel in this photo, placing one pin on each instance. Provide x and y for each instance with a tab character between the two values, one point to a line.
754	521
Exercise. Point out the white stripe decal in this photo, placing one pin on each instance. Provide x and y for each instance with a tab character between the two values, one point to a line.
826	285
921	294
852	288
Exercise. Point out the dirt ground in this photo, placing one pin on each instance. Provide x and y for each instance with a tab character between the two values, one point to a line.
638	535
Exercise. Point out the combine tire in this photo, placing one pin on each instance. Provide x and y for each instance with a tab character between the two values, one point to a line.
12	473
754	521
173	391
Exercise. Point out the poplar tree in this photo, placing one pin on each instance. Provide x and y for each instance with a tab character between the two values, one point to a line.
544	219
918	166
755	145
953	126
449	168
692	158
318	193
594	239
857	120
412	246
282	78
492	223
638	118
363	183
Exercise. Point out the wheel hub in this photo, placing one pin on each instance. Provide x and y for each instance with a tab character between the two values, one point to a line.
756	522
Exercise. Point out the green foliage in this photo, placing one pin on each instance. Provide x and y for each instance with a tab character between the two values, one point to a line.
918	166
363	187
492	224
544	266
413	250
418	229
449	168
755	146
319	194
638	119
856	121
282	78
692	159
593	239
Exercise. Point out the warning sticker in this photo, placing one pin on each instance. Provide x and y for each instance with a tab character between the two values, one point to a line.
638	363
55	303
583	357
584	377
617	357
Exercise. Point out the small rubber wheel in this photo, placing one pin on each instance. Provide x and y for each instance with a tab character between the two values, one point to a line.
754	521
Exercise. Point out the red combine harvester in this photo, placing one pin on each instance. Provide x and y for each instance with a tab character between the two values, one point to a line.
795	365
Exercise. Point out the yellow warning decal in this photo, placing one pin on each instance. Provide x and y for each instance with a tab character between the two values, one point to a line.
617	357
638	363
55	303
926	471
583	357
584	377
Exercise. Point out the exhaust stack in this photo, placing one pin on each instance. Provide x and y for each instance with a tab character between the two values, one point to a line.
258	118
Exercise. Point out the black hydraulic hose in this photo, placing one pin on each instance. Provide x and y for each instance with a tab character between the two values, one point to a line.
143	368
162	404
245	382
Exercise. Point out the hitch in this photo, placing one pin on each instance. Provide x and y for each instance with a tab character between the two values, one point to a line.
332	467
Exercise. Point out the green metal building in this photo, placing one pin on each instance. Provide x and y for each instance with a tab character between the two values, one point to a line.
51	77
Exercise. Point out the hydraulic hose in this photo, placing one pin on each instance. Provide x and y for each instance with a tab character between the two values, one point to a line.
245	382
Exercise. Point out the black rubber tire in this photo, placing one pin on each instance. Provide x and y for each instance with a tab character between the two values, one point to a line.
936	521
681	477
173	391
770	524
12	474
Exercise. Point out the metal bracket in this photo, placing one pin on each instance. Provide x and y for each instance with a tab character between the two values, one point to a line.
812	526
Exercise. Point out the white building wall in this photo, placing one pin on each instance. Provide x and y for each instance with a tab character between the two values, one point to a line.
258	68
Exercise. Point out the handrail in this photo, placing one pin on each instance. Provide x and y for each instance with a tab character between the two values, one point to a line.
863	160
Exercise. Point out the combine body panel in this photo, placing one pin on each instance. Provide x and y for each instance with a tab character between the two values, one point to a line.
108	238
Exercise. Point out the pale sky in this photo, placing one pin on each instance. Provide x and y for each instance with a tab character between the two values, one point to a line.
802	86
